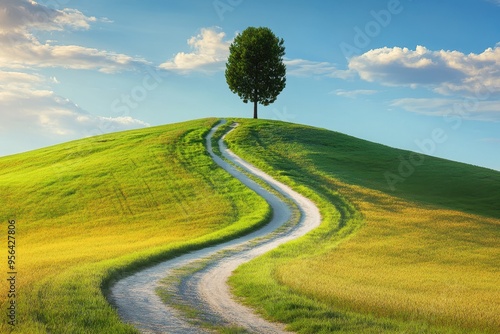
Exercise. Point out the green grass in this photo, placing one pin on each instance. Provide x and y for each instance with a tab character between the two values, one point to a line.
92	210
422	258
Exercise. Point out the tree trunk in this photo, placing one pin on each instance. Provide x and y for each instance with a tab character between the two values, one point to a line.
255	109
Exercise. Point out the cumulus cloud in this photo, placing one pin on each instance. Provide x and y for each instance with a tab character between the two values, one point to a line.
22	15
210	50
446	72
468	108
21	49
209	53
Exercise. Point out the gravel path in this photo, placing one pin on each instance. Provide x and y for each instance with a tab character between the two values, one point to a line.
135	297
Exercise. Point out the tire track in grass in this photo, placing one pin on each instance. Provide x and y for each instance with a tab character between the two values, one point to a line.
135	296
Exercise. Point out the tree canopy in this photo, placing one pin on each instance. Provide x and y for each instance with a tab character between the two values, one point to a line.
255	69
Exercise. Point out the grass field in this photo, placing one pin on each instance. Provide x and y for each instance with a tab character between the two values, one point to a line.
91	210
418	257
421	258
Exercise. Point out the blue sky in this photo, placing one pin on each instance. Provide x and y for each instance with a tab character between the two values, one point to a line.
415	74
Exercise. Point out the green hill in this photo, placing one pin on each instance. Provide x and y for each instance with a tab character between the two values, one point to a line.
418	257
289	148
397	251
87	211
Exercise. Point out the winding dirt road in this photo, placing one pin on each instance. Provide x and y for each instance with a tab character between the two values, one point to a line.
135	297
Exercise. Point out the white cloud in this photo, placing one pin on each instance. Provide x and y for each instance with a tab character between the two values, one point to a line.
490	140
209	53
15	79
465	108
21	49
31	114
302	67
72	18
28	104
352	94
307	68
22	15
446	72
496	2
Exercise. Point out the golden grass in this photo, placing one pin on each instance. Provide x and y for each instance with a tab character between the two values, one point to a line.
426	259
408	262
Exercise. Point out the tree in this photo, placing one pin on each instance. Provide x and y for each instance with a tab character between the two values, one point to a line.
255	69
